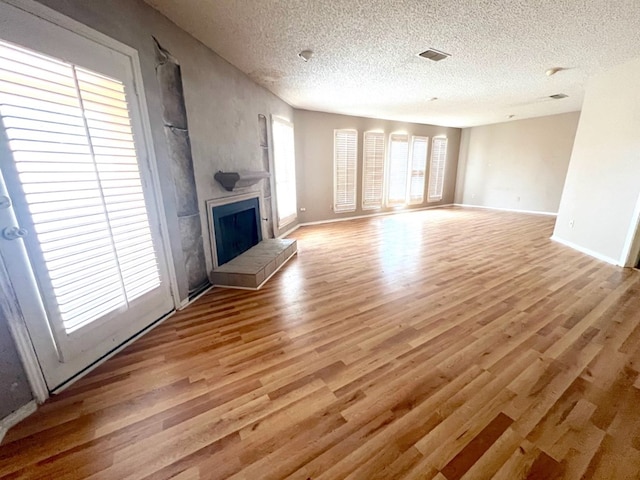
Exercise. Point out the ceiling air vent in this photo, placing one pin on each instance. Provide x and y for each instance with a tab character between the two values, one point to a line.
433	54
558	96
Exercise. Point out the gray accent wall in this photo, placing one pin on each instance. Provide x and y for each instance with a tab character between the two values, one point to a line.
519	165
314	160
14	386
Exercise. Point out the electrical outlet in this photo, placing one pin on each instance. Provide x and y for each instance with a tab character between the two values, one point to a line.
303	209
571	223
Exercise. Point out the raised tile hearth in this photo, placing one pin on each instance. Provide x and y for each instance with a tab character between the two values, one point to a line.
254	267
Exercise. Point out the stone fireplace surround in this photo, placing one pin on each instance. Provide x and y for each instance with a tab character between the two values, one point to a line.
251	269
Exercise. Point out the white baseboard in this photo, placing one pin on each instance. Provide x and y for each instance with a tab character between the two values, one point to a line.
14	418
586	251
530	212
290	231
356	217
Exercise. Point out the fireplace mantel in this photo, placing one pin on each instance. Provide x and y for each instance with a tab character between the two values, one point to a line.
232	180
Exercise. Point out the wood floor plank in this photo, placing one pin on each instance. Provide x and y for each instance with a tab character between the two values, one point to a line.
450	344
476	448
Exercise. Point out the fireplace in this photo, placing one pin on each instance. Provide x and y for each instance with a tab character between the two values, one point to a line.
241	257
235	226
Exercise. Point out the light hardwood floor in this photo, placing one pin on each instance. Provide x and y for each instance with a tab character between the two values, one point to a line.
445	344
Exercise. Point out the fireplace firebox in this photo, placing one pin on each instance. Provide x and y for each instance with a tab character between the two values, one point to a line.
236	228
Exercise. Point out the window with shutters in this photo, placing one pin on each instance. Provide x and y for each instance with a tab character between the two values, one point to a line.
419	147
70	135
345	161
436	173
373	170
398	160
285	170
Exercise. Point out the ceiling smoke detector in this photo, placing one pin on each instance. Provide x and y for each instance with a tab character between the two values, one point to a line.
433	54
306	55
558	96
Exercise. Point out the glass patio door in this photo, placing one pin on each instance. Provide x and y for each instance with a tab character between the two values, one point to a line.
80	234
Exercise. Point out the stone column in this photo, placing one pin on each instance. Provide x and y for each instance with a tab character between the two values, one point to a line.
176	130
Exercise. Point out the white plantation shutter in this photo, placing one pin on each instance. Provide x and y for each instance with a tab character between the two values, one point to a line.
398	169
345	161
436	173
373	170
71	138
419	147
285	166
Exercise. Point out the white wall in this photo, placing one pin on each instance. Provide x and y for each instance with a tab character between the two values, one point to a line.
314	160
602	189
518	165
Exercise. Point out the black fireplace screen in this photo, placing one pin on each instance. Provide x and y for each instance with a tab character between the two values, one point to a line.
236	227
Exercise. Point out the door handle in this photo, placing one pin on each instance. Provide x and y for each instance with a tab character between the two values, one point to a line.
13	233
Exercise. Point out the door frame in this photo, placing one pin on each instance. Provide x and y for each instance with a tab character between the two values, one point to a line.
21	338
17	324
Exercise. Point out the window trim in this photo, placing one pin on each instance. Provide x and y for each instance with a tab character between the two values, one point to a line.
364	169
437	197
348	207
388	170
410	169
287	220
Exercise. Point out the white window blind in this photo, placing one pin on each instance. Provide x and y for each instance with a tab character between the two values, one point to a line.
70	134
419	147
436	173
285	165
345	161
373	170
398	169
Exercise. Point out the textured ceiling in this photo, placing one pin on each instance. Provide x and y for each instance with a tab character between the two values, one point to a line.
365	52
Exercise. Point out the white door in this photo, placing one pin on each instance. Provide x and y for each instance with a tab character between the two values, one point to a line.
80	231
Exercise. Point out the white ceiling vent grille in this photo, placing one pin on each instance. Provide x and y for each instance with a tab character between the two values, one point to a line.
433	54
